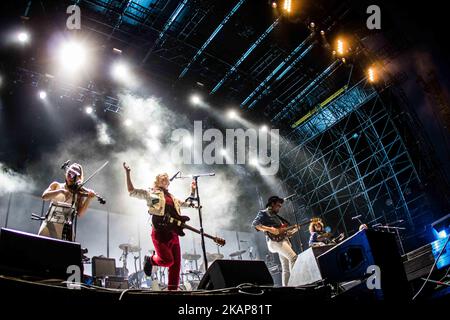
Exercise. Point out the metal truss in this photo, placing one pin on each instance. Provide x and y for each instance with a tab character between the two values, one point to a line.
349	159
82	94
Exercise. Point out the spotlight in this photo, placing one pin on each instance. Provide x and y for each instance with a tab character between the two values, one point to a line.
128	122
254	162
442	234
72	56
89	110
23	37
287	6
223	152
263	128
232	114
42	95
371	74
340	47
195	99
120	70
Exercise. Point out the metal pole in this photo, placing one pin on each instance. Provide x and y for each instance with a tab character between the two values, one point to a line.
107	233
7	211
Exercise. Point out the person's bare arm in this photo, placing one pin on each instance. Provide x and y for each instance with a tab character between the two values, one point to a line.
53	190
84	203
130	186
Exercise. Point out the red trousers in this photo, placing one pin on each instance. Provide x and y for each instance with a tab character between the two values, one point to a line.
168	254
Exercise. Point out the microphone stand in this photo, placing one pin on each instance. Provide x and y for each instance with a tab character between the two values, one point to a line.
199	208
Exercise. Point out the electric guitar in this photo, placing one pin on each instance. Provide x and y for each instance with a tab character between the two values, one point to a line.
289	230
179	223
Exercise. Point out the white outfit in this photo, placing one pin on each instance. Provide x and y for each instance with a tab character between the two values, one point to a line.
287	257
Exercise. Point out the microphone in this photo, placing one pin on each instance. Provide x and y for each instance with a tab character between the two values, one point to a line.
65	164
174	176
356	217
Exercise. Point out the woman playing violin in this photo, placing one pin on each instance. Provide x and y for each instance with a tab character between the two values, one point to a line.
63	195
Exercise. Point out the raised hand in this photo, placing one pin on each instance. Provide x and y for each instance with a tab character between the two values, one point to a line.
126	167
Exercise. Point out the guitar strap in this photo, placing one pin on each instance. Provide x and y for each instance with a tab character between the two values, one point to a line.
282	219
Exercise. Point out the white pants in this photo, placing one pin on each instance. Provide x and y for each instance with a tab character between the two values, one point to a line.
287	257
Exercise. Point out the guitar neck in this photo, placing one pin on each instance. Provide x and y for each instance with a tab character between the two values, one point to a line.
198	231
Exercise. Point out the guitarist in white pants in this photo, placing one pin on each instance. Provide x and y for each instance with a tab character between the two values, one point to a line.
275	227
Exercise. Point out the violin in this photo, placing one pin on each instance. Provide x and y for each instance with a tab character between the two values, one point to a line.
76	188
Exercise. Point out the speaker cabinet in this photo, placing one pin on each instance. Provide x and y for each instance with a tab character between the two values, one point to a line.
231	273
23	253
351	259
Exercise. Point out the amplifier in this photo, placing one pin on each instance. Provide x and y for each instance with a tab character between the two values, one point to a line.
103	267
116	283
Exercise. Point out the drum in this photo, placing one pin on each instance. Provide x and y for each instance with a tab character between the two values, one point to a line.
191	285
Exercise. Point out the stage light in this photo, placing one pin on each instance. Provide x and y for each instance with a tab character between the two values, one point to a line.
89	110
232	114
287	6
42	95
340	47
254	162
371	74
120	71
264	128
128	122
223	152
274	5
442	234
23	37
195	99
72	56
441	227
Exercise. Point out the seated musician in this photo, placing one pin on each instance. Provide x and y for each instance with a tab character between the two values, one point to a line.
65	193
271	223
318	235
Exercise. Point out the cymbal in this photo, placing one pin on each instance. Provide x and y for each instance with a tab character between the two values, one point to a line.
237	253
129	247
191	256
214	256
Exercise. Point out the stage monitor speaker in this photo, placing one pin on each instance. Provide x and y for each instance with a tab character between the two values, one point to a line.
231	273
103	267
23	253
351	259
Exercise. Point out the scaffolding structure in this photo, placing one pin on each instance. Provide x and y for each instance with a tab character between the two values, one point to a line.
349	159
